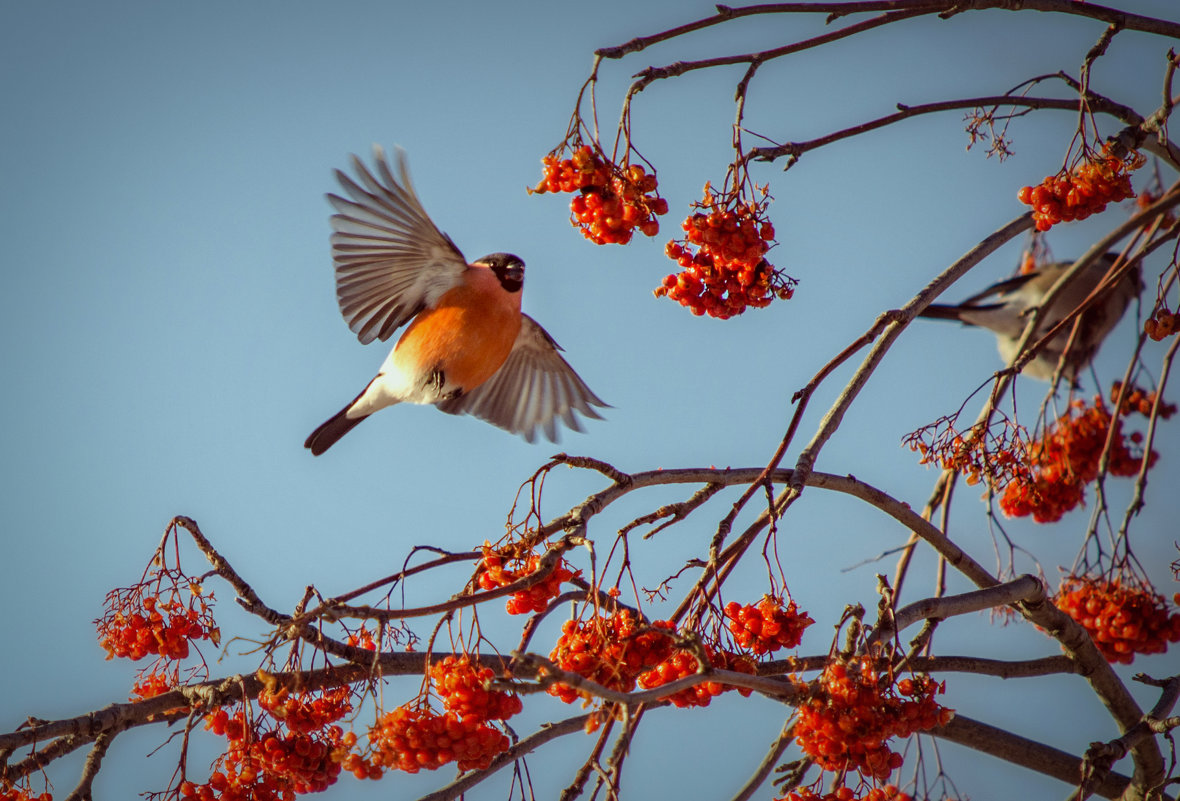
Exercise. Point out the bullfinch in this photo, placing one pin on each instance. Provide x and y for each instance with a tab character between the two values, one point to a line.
468	349
1004	309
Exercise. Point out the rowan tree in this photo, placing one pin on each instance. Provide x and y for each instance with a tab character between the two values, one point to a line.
580	616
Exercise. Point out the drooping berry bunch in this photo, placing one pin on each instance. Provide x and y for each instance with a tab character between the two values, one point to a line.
463	687
888	792
307	711
266	760
856	707
768	626
14	793
1098	179
612	199
494	573
1141	401
683	663
154	617
994	453
723	258
1123	619
153	683
414	737
1162	324
611	650
1066	458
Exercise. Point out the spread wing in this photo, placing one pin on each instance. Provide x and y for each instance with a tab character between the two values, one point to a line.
391	260
534	387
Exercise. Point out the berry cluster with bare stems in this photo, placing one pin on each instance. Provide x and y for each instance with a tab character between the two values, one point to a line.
1097	180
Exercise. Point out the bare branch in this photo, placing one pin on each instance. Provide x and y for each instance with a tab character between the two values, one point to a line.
1100	757
1024	752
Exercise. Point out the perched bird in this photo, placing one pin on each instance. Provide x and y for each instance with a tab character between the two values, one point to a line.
1005	309
467	349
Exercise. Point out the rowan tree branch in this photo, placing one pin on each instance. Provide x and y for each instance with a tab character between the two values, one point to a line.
1129	21
1035	756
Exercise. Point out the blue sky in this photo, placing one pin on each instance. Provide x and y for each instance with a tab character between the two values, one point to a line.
174	336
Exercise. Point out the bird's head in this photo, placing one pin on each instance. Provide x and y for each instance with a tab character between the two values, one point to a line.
507	268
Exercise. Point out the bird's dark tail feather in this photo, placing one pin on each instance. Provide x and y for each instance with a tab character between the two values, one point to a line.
326	435
937	311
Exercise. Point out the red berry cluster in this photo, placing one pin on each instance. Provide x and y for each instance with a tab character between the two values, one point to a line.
1099	179
154	683
307	712
889	792
1138	400
138	622
728	271
412	738
493	575
1122	620
270	765
683	663
10	793
855	707
1066	459
611	651
1162	324
768	626
613	199
362	639
463	687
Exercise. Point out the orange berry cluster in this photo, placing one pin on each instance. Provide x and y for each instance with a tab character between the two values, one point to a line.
612	201
22	794
463	686
856	707
1066	459
728	271
493	575
1086	190
412	738
611	651
768	626
1122	620
153	684
307	712
683	663
137	623
272	765
1162	324
1140	401
889	792
362	639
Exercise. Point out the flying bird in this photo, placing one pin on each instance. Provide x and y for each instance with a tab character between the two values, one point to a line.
468	349
1004	308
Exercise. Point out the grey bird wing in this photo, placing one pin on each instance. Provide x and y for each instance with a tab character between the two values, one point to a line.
533	388
995	292
1001	307
391	260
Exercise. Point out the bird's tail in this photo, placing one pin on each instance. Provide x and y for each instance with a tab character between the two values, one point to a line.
938	311
327	434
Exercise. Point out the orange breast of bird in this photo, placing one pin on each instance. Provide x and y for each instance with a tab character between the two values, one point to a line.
467	335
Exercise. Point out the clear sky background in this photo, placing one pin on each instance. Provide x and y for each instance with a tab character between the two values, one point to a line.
172	336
